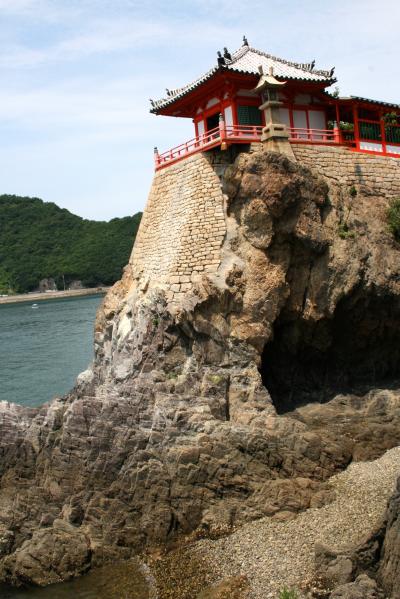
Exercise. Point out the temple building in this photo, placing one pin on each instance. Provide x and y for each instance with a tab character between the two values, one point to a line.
250	95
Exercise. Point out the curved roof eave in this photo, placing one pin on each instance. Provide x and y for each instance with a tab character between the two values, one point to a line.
164	102
249	55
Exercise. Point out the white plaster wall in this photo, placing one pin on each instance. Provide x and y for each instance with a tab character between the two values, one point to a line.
228	115
371	146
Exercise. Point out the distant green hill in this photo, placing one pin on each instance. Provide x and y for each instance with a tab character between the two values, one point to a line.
40	240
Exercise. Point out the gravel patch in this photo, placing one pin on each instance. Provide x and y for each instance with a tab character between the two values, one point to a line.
276	554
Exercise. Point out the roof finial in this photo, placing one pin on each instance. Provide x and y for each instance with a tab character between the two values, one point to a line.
227	55
331	72
221	59
245	42
312	65
152	102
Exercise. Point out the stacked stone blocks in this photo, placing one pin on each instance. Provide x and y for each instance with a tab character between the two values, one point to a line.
182	229
341	165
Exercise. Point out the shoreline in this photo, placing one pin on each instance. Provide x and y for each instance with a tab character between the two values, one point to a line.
38	296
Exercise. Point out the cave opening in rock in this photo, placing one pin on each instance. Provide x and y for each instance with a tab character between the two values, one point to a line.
356	350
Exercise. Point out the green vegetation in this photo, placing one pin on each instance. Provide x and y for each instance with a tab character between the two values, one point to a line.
215	378
352	192
286	594
40	240
344	229
393	218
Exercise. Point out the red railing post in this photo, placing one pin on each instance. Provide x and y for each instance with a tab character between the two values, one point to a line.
383	134
356	127
336	132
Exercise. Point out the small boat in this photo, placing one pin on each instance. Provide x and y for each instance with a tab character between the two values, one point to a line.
35	306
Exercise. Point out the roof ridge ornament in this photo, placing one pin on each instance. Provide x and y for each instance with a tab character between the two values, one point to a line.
227	55
245	42
221	59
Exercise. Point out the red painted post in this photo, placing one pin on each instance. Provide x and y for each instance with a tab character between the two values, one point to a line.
338	121
383	133
356	127
336	132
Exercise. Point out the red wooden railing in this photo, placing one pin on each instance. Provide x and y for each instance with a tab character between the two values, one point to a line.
303	134
206	141
230	134
201	142
245	132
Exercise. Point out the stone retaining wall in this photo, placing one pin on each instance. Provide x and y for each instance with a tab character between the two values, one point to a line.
182	228
380	174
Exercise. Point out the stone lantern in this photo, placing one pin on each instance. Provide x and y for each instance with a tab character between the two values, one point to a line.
275	134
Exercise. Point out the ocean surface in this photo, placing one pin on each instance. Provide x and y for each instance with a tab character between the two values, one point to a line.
43	349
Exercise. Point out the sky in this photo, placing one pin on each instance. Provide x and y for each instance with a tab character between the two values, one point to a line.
76	77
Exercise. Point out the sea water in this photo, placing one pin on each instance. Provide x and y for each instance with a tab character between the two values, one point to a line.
44	348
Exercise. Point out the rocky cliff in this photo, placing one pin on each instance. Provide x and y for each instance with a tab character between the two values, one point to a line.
230	393
370	570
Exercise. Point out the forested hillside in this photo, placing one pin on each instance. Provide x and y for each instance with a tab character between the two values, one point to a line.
39	240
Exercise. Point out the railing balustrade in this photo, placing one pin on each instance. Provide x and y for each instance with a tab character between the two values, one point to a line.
302	133
208	140
230	134
252	132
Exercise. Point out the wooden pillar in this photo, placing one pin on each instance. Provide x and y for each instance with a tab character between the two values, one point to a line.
383	132
337	114
356	126
336	132
234	111
222	132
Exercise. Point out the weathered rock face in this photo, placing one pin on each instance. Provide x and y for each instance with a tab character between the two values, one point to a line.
369	571
389	565
173	429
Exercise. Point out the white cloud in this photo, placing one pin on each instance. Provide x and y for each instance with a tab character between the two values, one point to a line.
41	10
16	6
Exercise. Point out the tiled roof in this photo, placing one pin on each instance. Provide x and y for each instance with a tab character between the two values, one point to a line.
369	101
247	60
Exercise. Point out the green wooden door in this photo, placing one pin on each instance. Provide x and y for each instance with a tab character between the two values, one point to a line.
249	115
